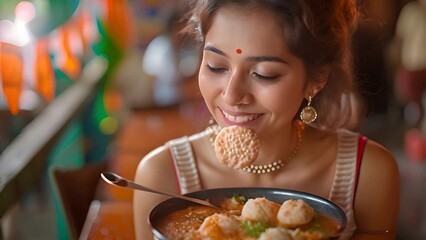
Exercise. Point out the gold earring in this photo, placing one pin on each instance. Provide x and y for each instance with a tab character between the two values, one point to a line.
212	122
308	113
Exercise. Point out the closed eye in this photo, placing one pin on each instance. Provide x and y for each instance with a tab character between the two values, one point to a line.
215	70
262	77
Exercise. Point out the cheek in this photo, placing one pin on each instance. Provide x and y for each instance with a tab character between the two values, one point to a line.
209	90
284	102
203	83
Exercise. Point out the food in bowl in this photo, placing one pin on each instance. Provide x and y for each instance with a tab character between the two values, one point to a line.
248	217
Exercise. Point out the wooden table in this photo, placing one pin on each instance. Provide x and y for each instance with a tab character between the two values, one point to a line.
109	220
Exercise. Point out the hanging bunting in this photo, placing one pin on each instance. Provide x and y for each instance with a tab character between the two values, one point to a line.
43	70
119	21
102	112
67	60
11	74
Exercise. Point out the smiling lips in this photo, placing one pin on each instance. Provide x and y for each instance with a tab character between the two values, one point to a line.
241	118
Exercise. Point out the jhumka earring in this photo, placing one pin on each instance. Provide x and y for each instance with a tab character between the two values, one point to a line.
308	113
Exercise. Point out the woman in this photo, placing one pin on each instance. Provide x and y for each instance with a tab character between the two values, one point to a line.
265	62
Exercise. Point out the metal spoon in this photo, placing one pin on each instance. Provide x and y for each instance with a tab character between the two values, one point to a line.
117	180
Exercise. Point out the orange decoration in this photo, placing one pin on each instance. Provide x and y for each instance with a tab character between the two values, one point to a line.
68	62
43	71
113	100
11	74
119	22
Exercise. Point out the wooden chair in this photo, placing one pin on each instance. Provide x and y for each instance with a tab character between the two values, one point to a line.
75	189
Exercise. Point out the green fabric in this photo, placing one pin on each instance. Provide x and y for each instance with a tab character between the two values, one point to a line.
58	13
67	153
96	111
62	81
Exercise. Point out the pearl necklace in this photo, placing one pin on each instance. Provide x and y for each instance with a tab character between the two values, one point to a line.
266	168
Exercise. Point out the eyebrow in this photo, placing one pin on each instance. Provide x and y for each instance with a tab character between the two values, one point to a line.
266	59
253	58
215	50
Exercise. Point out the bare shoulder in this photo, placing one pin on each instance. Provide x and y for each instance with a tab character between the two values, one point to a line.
155	158
379	172
156	170
377	196
377	158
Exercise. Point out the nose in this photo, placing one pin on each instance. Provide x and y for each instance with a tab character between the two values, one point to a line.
237	90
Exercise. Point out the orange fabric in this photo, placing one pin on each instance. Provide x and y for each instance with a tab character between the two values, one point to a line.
11	74
69	63
119	21
113	100
43	72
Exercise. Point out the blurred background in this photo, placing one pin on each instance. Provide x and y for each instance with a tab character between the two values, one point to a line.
97	84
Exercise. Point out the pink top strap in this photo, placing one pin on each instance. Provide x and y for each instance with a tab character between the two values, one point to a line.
362	140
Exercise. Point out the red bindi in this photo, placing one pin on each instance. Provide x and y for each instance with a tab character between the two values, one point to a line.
239	51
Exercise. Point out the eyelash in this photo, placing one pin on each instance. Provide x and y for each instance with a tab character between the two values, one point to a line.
269	78
255	75
215	70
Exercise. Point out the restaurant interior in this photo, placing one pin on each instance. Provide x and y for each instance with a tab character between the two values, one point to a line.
92	86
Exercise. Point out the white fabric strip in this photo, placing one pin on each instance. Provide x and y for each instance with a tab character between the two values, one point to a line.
342	191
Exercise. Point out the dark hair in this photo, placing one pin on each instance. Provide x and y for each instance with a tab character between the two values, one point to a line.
317	31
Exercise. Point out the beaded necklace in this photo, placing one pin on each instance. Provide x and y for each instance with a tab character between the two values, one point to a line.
266	168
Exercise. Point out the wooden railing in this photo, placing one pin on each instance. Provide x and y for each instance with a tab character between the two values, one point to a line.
23	161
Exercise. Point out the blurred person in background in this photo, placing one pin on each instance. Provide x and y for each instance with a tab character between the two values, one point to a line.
410	79
170	58
410	42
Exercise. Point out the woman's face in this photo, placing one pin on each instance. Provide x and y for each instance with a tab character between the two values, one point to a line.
247	76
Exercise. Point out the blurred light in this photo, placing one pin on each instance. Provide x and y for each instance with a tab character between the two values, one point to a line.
18	33
412	113
9	33
6	30
25	11
14	33
159	53
108	125
188	65
22	36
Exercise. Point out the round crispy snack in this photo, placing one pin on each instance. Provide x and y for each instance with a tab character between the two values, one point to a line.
236	146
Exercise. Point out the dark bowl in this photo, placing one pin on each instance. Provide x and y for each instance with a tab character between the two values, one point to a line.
218	195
